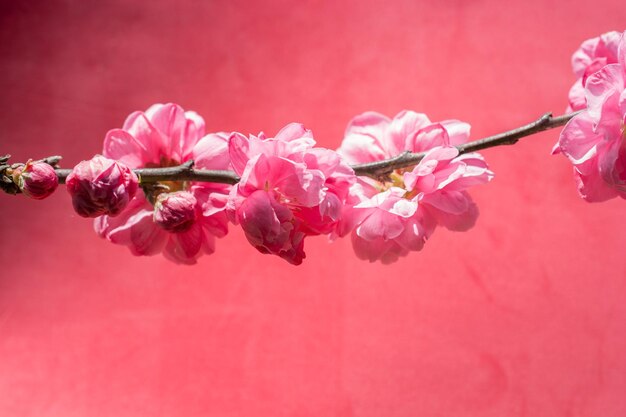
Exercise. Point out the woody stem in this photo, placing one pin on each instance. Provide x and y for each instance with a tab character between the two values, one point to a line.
377	169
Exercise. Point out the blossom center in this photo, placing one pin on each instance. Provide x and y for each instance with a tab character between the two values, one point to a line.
165	186
396	179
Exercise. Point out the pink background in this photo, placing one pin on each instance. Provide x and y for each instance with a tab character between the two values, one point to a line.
522	316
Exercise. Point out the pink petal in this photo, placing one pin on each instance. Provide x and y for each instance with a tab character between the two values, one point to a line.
583	56
471	170
384	200
404	208
593	188
292	179
185	247
193	132
331	206
122	146
239	151
380	224
363	139
435	160
429	137
576	97
415	234
459	221
402	127
140	128
303	187
602	92
212	152
215	225
293	131
458	132
612	163
579	142
360	149
387	251
169	119
596	65
454	202
212	200
369	123
134	228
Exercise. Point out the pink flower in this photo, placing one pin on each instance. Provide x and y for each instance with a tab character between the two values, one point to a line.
166	135
592	55
388	226
595	140
392	218
36	179
288	190
101	186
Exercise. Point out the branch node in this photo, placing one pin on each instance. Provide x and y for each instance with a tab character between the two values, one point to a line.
53	160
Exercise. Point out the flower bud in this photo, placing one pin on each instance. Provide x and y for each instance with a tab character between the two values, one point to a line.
101	186
175	212
36	179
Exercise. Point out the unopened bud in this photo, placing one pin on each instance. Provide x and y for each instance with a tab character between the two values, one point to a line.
36	179
101	186
175	212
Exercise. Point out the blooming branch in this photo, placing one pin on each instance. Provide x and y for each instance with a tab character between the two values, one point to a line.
163	185
186	171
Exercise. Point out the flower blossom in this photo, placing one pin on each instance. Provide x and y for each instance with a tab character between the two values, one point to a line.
391	218
165	135
288	190
101	186
591	56
36	179
595	140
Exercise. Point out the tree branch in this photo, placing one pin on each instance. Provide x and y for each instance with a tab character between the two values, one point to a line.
184	172
381	168
377	169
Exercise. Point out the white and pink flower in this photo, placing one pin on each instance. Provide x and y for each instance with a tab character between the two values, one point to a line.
288	190
391	218
165	135
595	140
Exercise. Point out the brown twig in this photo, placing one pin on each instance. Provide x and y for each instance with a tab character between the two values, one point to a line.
184	172
377	169
381	168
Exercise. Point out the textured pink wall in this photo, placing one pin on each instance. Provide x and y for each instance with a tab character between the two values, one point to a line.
522	316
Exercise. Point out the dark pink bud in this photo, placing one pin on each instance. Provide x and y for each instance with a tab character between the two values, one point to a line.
175	212
36	179
101	186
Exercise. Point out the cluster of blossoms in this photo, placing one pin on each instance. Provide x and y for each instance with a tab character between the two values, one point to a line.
390	218
595	139
289	189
